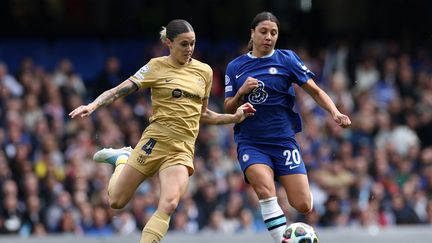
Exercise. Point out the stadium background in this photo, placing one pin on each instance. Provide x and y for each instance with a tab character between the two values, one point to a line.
372	57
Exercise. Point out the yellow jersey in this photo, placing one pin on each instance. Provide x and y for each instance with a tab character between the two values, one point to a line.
177	94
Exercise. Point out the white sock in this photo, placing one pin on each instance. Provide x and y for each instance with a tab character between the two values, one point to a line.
274	218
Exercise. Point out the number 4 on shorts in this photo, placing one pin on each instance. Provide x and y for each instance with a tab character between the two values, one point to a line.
148	147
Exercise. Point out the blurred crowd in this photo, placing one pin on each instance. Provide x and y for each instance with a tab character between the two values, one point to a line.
376	173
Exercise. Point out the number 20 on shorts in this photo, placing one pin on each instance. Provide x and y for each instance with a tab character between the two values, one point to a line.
293	158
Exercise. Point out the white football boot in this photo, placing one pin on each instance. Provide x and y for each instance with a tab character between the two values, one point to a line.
110	155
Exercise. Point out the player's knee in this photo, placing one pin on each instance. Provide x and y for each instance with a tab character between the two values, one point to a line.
168	205
116	203
264	191
303	206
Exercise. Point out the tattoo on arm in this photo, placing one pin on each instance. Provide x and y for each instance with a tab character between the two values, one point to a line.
119	91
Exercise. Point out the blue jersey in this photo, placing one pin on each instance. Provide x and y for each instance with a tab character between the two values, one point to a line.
275	121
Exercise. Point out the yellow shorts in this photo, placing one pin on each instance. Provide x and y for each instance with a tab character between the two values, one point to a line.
153	154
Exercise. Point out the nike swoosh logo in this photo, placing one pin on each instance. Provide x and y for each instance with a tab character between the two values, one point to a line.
168	80
293	167
239	75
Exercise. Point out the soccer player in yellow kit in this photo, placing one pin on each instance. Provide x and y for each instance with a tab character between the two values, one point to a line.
180	88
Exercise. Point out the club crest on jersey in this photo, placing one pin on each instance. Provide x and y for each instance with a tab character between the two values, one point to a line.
201	82
245	157
273	70
258	95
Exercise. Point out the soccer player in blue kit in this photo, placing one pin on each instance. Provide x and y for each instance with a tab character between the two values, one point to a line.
266	145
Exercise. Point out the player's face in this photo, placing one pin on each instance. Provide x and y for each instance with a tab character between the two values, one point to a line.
264	38
182	47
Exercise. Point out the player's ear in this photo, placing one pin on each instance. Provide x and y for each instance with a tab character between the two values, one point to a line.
252	33
169	43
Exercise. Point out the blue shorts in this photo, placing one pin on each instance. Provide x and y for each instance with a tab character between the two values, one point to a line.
284	159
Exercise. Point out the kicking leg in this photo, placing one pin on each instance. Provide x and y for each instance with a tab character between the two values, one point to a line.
125	179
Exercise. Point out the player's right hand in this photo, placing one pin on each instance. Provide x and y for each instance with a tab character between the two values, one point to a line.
83	110
249	84
244	111
342	120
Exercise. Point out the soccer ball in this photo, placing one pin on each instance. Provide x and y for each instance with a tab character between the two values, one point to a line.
299	233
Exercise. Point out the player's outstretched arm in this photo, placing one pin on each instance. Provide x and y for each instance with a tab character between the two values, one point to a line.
326	103
214	118
107	97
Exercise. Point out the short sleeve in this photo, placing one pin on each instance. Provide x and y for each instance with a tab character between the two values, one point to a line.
209	83
299	72
146	76
230	89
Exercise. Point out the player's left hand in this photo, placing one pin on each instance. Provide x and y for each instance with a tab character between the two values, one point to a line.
244	111
342	120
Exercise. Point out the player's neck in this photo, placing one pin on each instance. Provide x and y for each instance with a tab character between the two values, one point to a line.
257	54
176	62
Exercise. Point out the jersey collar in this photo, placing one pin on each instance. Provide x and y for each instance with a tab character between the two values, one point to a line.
170	61
268	55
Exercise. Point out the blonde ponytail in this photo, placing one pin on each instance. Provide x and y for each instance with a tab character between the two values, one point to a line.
163	34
